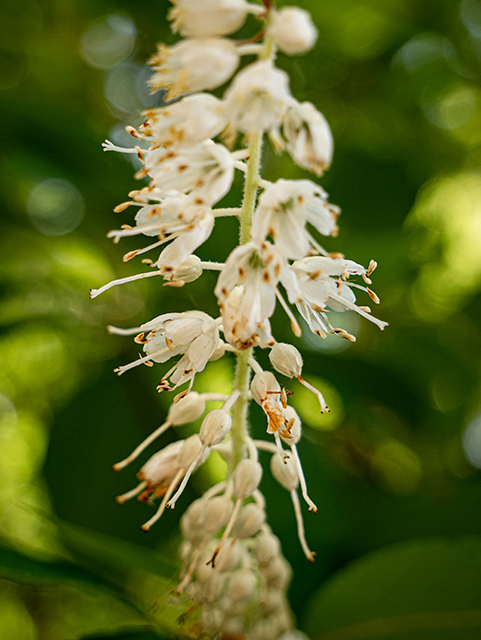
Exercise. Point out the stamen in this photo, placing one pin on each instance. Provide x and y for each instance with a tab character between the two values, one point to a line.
254	365
146	526
213	266
294	324
283	454
231	401
300	526
319	395
302	479
120	370
190	571
118	331
131	494
185	480
110	146
227	531
143	445
139	276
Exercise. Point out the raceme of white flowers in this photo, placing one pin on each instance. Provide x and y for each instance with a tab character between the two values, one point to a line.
232	566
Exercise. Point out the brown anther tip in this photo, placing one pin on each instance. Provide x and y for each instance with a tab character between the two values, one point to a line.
119	500
116	467
145	528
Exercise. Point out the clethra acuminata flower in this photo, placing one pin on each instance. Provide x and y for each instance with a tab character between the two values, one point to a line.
233	571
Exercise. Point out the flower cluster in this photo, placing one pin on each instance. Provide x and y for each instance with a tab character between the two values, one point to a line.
190	148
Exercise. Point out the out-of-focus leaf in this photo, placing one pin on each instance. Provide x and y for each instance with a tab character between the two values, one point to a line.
18	567
103	553
420	590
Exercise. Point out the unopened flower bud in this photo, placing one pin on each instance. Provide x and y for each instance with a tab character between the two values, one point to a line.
250	521
228	557
309	138
217	513
188	271
189	451
247	476
187	409
215	427
285	472
264	384
267	547
192	522
293	30
162	466
278	573
286	359
241	586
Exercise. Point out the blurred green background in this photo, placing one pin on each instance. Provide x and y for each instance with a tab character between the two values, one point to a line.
394	468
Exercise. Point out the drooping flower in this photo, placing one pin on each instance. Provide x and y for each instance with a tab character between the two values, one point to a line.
193	65
205	170
246	290
309	138
257	98
210	17
322	282
193	334
187	122
283	211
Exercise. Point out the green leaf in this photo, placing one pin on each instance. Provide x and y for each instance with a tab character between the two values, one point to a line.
421	590
102	553
19	567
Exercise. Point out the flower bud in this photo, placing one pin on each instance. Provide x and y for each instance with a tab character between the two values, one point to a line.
189	451
217	513
286	359
188	271
250	521
278	573
247	476
241	586
285	472
186	410
192	522
261	384
215	427
228	557
293	30
267	548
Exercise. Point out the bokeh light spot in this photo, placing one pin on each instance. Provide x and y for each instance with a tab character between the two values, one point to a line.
55	206
108	41
472	441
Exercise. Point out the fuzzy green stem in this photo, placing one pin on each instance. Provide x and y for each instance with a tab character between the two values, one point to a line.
239	430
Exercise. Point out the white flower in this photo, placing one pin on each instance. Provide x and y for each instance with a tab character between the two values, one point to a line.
193	65
174	217
187	122
321	282
209	17
246	290
257	98
293	30
205	170
309	137
283	211
192	333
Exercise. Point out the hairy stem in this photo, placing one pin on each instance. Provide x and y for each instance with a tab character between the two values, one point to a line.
239	429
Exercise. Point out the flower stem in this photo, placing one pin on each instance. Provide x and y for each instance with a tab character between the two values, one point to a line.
239	430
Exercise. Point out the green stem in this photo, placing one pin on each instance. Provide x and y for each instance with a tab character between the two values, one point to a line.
239	430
